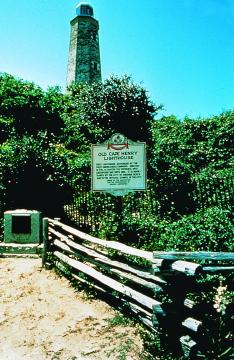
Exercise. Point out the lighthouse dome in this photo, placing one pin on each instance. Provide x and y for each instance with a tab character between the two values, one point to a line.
84	9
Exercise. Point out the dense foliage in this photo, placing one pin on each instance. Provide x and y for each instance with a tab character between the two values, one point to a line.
209	230
193	144
45	136
96	111
32	169
27	109
45	139
34	174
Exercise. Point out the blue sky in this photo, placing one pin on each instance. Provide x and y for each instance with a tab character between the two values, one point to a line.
182	51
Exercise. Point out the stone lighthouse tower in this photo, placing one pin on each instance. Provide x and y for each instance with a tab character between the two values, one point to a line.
84	54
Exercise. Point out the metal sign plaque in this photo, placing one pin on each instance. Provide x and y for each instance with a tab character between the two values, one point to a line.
119	166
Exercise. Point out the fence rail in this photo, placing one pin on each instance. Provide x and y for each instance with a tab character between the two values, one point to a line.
156	287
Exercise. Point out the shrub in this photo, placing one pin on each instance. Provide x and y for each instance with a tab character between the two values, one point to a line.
209	230
29	109
95	111
214	188
144	232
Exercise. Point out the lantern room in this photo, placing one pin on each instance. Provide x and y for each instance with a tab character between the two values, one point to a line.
84	9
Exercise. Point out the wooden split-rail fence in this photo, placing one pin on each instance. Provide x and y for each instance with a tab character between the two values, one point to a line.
160	288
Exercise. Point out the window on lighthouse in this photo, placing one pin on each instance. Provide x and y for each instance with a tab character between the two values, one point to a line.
86	10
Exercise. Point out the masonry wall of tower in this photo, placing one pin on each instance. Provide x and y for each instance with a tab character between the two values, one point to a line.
84	55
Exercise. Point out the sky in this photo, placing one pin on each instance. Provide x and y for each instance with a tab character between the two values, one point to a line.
181	51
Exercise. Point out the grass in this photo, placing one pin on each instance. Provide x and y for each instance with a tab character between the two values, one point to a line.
119	320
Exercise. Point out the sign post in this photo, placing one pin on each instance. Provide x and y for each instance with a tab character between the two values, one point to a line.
119	166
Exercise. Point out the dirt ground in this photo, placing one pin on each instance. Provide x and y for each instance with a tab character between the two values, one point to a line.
43	318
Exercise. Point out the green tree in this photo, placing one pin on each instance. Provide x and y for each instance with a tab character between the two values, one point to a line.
34	175
199	143
95	111
28	108
184	148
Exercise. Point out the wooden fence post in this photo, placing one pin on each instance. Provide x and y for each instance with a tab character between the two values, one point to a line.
45	241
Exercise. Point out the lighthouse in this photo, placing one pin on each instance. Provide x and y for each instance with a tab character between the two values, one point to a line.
84	63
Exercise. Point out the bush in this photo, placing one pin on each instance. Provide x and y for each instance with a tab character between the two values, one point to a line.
210	230
27	108
95	111
214	188
143	232
34	175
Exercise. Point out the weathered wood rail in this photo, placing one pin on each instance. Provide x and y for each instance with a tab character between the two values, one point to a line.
160	288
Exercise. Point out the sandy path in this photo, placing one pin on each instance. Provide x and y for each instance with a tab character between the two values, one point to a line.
42	317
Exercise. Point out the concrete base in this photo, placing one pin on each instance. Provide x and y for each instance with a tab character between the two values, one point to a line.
11	249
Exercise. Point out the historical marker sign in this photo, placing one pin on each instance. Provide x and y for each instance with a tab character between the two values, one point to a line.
119	166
